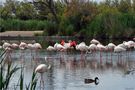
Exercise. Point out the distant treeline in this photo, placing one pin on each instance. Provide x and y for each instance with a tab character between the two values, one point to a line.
108	19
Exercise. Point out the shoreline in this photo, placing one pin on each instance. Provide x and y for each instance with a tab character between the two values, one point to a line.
20	33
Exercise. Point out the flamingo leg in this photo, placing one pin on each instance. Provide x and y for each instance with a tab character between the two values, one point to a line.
106	55
111	55
100	57
94	52
42	82
81	55
118	57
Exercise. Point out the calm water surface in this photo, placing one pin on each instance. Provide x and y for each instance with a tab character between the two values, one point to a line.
70	69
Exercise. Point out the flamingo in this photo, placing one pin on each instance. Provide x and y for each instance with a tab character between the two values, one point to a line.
73	44
6	45
126	44
82	47
94	41
134	38
131	44
31	47
59	47
0	47
37	47
22	46
110	47
50	48
92	48
122	45
119	49
101	48
42	68
14	45
68	45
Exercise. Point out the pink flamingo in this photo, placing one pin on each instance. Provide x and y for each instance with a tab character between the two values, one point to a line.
6	45
41	69
82	47
50	48
22	46
59	47
37	47
14	45
119	49
92	48
94	41
110	47
101	48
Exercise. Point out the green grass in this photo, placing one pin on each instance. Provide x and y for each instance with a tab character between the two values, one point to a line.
7	72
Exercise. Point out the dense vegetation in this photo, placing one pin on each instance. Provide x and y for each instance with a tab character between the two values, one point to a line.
109	19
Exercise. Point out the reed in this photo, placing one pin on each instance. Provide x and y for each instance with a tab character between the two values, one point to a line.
33	83
6	73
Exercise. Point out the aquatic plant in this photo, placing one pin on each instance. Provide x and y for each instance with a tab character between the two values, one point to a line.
6	73
33	83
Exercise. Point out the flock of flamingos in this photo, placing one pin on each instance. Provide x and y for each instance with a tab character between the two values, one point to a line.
63	46
95	45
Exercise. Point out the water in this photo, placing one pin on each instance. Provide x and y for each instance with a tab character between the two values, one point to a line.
70	69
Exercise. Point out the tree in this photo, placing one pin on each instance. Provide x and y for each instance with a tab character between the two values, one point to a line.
9	9
80	13
124	6
133	5
49	4
26	11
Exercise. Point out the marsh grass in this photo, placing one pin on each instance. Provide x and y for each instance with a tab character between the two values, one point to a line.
7	73
33	83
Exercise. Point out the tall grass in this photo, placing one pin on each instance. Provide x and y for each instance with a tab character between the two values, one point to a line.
18	25
6	73
5	78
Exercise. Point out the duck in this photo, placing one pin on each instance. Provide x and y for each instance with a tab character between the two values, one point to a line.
96	81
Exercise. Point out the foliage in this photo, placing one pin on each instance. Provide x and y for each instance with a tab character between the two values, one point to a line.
110	18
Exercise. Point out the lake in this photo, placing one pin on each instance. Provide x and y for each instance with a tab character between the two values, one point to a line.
70	69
